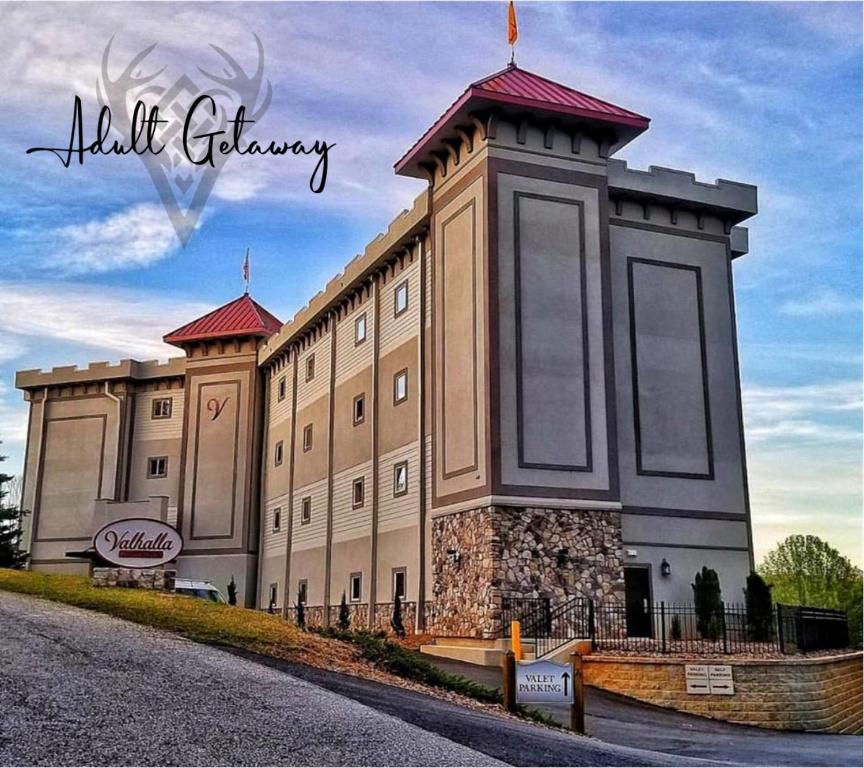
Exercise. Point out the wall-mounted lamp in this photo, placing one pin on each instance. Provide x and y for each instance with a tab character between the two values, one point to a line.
453	556
665	568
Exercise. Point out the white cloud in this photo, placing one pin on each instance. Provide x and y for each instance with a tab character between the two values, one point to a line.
135	237
821	413
821	303
13	417
120	320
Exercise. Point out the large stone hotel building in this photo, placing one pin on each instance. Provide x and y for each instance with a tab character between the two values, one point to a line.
527	387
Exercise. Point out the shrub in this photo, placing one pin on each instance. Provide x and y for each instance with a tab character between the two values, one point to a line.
760	612
344	615
708	603
675	628
232	591
396	619
301	612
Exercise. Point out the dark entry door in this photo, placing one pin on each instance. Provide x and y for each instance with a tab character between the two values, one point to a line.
637	596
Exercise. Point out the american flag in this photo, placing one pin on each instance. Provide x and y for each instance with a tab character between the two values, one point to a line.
246	270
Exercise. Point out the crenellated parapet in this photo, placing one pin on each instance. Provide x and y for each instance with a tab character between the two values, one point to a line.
678	192
102	371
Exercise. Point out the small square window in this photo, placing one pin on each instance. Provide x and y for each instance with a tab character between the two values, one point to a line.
282	388
399	579
302	591
274	595
277	519
358	492
355	589
400	387
306	510
400	299
307	437
310	367
162	408
359	409
360	329
400	478
157	466
278	453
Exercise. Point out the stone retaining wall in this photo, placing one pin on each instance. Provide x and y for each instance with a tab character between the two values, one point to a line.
136	578
480	555
795	694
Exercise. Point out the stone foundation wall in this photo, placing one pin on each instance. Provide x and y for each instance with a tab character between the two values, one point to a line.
359	613
135	578
796	694
481	555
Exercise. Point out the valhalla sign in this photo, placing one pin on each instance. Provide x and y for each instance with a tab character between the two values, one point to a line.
138	543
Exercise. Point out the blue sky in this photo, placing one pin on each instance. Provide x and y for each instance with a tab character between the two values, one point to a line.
765	93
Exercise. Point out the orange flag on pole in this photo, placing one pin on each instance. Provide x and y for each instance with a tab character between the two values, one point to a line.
512	26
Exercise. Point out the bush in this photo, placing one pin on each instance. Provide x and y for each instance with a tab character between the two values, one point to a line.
301	613
760	610
232	591
675	628
396	619
708	604
344	615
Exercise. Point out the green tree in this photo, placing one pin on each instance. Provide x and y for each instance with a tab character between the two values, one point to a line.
11	523
301	611
396	618
708	603
805	570
760	609
344	615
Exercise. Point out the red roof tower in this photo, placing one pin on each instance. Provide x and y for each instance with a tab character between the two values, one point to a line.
241	317
514	90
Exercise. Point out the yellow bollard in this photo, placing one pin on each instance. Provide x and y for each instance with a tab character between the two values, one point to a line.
516	640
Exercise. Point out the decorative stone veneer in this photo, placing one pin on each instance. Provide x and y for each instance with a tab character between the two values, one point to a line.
481	555
384	613
795	694
135	578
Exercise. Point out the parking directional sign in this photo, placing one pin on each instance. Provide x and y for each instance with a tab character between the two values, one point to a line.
544	682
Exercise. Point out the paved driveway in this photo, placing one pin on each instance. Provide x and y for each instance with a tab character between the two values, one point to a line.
619	720
79	688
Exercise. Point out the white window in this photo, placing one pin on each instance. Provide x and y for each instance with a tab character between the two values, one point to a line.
355	589
157	466
400	387
161	408
306	511
310	367
400	478
302	591
307	437
278	453
360	409
360	329
358	492
274	594
277	519
399	578
400	299
282	388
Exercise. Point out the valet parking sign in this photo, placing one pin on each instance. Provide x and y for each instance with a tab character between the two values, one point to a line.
544	682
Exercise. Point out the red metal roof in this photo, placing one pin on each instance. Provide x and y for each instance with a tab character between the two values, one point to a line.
520	84
241	317
516	87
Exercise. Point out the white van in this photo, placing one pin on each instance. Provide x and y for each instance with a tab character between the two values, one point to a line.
201	589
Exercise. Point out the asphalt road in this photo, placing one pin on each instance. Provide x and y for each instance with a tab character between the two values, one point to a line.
619	720
79	688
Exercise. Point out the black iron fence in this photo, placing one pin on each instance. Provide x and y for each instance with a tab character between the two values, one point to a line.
676	627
